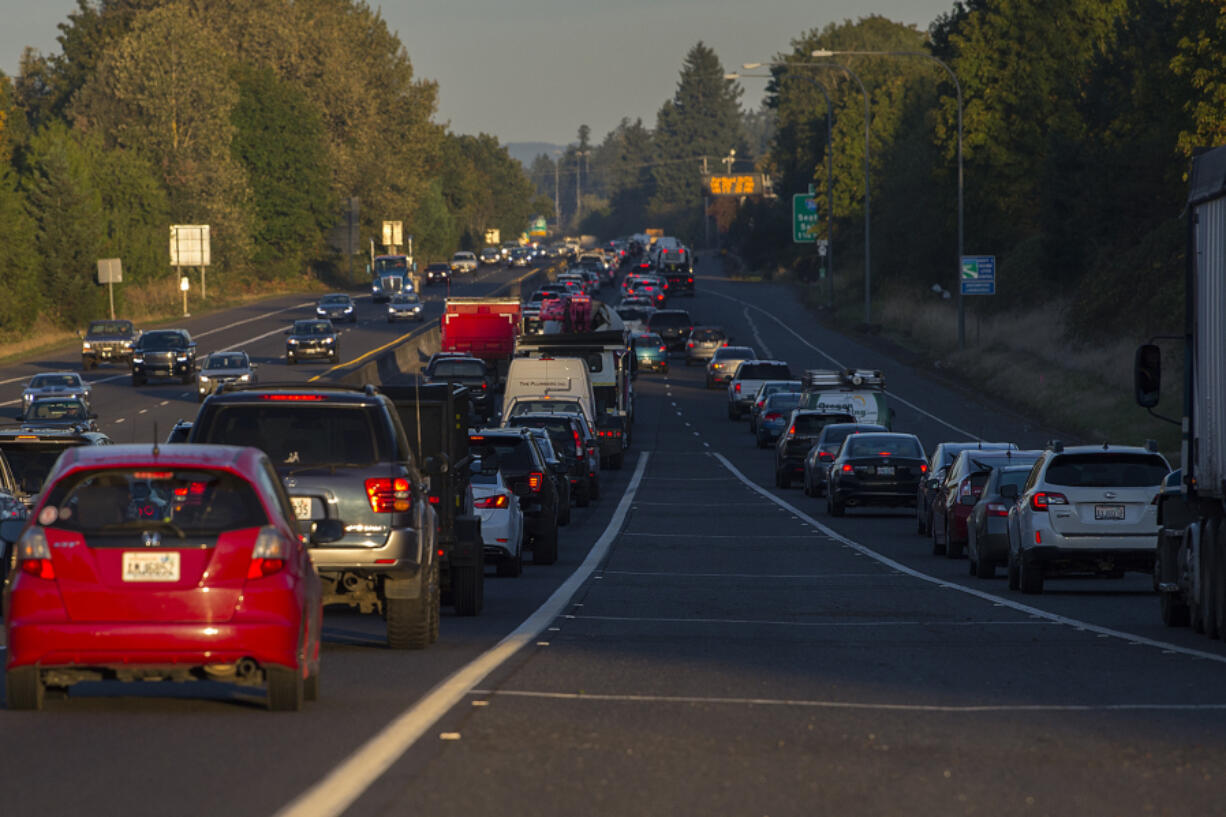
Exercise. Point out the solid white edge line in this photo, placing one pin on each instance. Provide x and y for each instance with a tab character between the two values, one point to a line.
1003	601
799	337
349	780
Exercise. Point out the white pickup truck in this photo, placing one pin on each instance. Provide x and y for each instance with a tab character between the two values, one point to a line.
464	261
748	379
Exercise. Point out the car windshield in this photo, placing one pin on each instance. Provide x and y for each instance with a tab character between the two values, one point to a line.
1107	470
763	371
438	267
115	328
337	300
31	461
670	319
545	407
313	328
951	452
42	381
226	362
58	410
512	453
158	341
173	502
871	445
458	368
391	265
405	298
299	434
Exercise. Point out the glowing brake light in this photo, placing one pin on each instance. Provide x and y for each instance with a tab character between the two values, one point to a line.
268	555
495	501
792	431
153	474
578	442
33	555
535	481
387	495
847	469
998	509
1042	500
293	398
736	387
771	416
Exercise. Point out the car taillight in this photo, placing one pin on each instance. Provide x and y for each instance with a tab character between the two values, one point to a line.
495	501
825	456
690	344
663	348
387	494
578	443
998	509
689	280
923	468
964	490
736	387
847	469
269	553
33	555
771	416
535	480
1042	500
792	431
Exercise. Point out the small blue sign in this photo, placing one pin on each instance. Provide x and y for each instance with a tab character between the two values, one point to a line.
978	275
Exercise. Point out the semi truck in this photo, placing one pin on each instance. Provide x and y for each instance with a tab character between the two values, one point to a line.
1190	569
390	274
481	327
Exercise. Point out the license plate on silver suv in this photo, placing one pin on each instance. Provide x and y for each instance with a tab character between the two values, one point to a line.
1115	512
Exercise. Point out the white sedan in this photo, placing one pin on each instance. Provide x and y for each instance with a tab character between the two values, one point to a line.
502	520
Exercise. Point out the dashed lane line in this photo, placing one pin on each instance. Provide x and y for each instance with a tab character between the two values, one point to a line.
753	327
724	622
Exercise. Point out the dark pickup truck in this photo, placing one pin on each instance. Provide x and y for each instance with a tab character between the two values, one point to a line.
105	341
435	419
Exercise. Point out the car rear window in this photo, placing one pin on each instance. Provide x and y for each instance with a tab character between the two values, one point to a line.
458	368
763	371
512	453
633	313
546	407
560	432
867	445
1016	477
708	335
1107	470
782	401
31	461
734	353
835	434
301	434
174	502
810	423
669	319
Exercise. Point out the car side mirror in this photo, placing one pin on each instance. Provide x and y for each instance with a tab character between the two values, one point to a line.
1147	375
1008	492
326	531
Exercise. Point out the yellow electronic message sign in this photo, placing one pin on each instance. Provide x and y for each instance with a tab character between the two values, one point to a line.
735	184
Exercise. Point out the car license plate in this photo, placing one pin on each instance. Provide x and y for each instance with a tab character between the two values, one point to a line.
885	470
302	507
155	566
1109	512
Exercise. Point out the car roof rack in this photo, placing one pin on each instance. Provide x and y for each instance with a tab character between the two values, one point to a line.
815	379
233	386
1056	445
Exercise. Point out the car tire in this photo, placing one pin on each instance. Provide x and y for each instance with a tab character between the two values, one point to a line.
1174	610
468	589
545	547
1030	576
920	528
593	487
583	495
981	568
510	567
1219	589
834	507
335	357
24	689
86	365
291	360
564	514
938	548
761	441
138	380
200	396
807	486
1210	533
953	550
615	462
286	688
408	620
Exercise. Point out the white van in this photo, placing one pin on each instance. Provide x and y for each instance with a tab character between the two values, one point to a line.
539	384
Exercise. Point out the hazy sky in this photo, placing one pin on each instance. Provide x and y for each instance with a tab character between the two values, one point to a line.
534	70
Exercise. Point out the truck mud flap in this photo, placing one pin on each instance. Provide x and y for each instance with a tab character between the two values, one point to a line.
467	550
402	588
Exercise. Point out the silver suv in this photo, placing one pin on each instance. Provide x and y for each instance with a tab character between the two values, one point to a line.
343	455
1085	510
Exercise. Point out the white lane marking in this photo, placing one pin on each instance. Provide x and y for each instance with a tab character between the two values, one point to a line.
249	320
771	576
164	403
823	624
1103	632
119	420
346	783
763	349
966	708
143	411
893	395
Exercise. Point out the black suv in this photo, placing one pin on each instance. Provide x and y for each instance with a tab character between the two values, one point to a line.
164	353
568	443
312	338
438	272
673	325
525	471
481	380
680	278
106	341
343	455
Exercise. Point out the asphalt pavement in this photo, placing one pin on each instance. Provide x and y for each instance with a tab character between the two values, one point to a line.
706	644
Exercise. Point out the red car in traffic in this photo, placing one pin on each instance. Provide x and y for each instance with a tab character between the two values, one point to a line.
175	563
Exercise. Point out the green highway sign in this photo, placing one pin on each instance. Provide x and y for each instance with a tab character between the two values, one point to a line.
804	218
978	275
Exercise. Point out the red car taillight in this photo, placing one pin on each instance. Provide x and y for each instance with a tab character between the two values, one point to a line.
33	555
964	490
771	416
495	501
578	443
825	456
998	509
1042	500
663	348
269	553
387	495
792	431
736	387
847	469
923	468
535	480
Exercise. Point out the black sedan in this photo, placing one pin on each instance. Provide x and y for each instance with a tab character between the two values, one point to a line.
311	339
337	306
987	529
438	273
875	470
803	428
822	452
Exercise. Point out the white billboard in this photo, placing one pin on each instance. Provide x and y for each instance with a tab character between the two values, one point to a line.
189	245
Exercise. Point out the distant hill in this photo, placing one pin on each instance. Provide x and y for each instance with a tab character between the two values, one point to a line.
525	152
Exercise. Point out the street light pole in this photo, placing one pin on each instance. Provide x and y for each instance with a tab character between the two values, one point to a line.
961	220
829	163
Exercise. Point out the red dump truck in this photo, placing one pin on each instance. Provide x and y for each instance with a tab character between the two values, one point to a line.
481	327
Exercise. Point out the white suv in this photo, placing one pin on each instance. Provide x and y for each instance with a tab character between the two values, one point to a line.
1086	510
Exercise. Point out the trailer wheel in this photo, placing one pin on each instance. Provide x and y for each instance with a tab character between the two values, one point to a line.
468	589
1218	584
1208	577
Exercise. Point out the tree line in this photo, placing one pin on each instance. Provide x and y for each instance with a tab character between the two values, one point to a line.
260	118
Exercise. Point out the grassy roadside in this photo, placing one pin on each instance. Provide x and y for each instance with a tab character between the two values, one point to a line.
1020	360
149	311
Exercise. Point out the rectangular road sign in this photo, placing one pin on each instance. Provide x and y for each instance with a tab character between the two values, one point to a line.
804	218
735	184
189	245
978	275
110	271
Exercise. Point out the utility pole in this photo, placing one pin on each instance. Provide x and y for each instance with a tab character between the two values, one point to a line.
557	202
706	211
579	185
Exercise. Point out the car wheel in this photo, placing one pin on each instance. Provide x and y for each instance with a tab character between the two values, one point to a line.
1174	610
615	462
583	496
200	396
920	528
593	487
984	568
762	443
408	620
1030	576
1219	589
807	487
938	547
564	514
1210	533
291	360
286	688
467	589
335	357
509	567
953	550
87	364
24	688
545	547
834	507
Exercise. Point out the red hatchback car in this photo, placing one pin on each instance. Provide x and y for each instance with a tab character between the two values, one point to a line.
177	563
